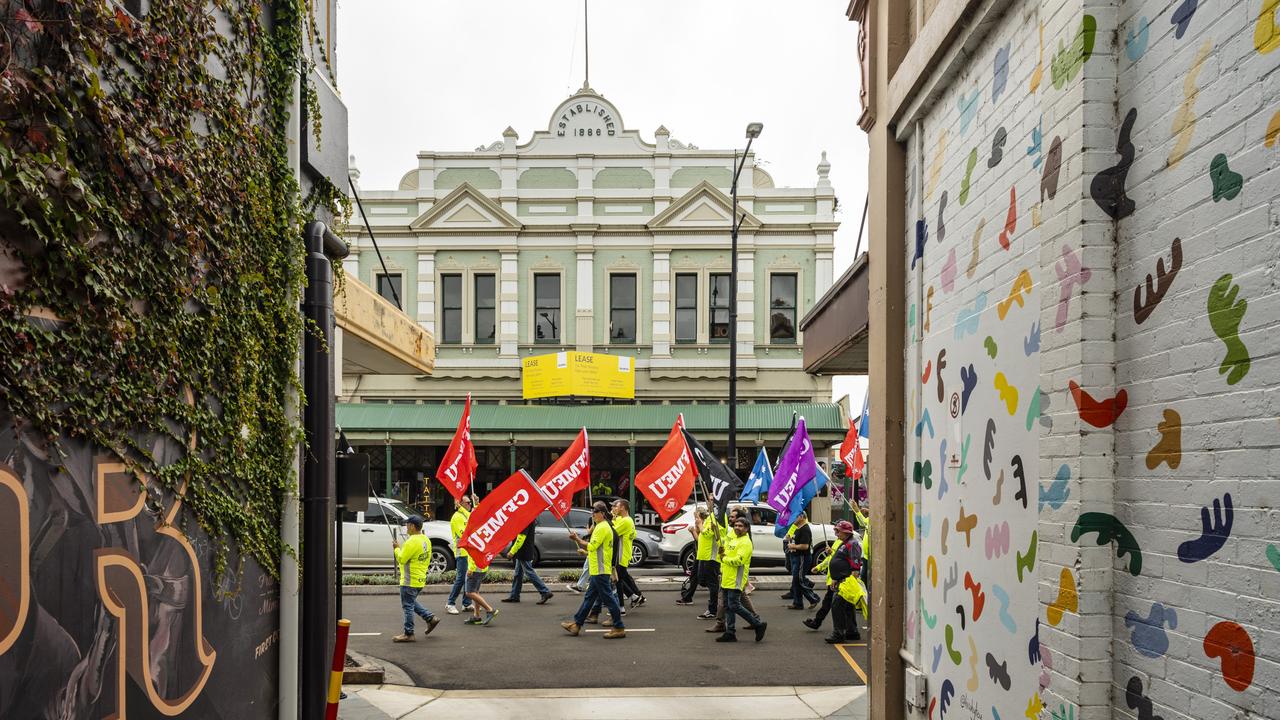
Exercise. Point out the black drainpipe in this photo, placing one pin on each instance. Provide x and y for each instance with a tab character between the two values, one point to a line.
318	623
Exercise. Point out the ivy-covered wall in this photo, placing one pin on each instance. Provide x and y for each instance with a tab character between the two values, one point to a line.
150	269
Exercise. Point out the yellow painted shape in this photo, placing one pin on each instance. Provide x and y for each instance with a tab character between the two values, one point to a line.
1184	123
1266	34
1068	598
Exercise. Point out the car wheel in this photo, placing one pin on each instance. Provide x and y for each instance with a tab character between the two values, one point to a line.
441	560
820	553
686	560
537	557
637	554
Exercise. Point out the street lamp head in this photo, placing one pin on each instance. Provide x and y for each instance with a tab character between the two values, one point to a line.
754	129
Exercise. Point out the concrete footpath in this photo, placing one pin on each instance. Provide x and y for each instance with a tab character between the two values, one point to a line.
387	702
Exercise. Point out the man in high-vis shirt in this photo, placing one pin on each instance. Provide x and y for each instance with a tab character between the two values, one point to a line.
412	560
522	553
457	524
599	553
707	560
735	567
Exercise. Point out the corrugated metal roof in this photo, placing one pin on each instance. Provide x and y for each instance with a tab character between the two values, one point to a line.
773	417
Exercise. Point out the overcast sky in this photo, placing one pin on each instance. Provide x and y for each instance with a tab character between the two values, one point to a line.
451	75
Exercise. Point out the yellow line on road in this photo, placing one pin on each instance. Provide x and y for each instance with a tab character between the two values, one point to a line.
841	647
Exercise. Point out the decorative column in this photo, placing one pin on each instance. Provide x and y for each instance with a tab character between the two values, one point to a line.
427	290
747	305
584	314
823	269
662	309
508	317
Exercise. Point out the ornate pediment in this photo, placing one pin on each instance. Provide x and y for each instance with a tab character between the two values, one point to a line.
703	207
466	209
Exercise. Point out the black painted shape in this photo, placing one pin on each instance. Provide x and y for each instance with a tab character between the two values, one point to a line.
1052	168
997	147
1137	700
942	226
1182	17
1107	187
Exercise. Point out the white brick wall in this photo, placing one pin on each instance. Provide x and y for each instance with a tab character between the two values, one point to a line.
1230	433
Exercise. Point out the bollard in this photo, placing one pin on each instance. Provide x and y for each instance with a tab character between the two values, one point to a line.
339	662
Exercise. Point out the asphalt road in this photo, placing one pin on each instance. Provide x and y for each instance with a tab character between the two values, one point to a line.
665	646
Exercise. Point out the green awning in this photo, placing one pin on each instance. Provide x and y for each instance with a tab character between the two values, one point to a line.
826	421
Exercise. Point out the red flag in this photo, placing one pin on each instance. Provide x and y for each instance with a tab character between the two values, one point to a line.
851	452
668	480
567	475
458	466
500	517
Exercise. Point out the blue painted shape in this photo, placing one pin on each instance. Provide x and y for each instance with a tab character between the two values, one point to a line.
1001	78
925	421
1057	492
942	468
968	108
1006	619
911	579
1136	45
922	236
967	318
1182	17
1037	143
1148	635
969	381
937	656
1032	342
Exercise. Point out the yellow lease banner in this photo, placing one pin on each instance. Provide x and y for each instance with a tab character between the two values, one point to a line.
578	373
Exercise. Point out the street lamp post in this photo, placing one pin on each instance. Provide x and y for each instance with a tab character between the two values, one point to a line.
735	222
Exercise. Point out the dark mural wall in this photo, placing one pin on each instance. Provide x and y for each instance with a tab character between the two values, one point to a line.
108	606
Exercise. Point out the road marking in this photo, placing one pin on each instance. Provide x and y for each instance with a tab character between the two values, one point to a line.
364	634
841	647
627	629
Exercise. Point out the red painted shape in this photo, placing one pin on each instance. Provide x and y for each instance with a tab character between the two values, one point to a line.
1011	220
928	370
1098	414
932	702
979	597
1232	646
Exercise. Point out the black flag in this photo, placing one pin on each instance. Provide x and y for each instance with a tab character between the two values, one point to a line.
724	483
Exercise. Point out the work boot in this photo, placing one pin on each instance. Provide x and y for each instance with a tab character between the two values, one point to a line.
607	622
404	638
717	628
545	597
760	630
615	633
571	627
431	625
727	637
592	619
811	623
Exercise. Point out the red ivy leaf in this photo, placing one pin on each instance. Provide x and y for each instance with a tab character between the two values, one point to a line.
24	17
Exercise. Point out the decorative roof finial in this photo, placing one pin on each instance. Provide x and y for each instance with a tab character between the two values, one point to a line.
824	171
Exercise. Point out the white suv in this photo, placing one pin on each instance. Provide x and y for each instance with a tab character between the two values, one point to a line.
678	544
366	537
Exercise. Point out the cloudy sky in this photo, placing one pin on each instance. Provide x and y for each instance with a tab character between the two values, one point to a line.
452	74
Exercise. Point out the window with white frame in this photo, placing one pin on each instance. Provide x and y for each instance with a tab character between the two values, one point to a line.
782	308
718	325
686	307
451	308
486	302
546	308
622	308
389	286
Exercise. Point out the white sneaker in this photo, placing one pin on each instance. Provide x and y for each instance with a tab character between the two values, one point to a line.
451	609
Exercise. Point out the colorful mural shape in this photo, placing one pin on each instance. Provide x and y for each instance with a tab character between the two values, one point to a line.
1148	634
1225	316
1068	60
1135	44
1226	182
1184	122
1230	644
1181	18
1157	288
1107	188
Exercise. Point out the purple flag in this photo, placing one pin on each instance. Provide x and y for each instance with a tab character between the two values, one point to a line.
796	469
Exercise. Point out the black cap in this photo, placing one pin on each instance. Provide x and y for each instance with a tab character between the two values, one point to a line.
417	520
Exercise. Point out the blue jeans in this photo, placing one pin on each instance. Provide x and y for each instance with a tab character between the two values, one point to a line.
599	589
733	607
460	564
524	568
409	602
800	593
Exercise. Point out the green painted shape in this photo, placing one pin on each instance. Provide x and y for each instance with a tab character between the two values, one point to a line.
1225	316
968	176
952	653
623	178
481	178
687	177
1226	182
1067	61
1033	408
547	179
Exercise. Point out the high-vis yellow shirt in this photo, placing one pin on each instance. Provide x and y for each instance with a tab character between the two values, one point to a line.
600	550
412	559
457	524
709	540
866	534
626	529
736	564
